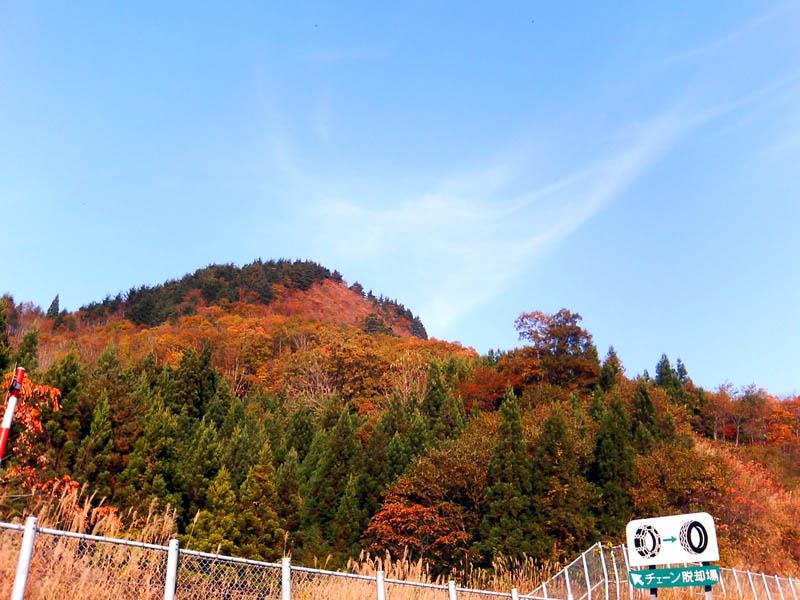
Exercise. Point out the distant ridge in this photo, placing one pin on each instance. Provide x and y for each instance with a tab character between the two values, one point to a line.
255	283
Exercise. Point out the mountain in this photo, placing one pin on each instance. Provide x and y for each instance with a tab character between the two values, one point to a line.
273	404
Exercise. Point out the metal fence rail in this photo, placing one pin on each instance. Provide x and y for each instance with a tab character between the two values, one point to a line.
38	562
601	572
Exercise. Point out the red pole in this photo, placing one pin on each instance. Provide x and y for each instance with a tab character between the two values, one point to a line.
11	405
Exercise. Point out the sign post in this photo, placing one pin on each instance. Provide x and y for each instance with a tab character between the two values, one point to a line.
677	539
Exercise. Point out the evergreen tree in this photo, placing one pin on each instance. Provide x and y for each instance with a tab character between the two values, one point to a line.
644	422
259	527
288	490
613	470
611	370
95	454
349	519
199	465
218	406
53	309
65	427
451	420
563	497
5	345
339	456
28	352
299	433
405	446
151	472
216	528
507	527
128	401
237	451
194	384
597	407
436	392
681	372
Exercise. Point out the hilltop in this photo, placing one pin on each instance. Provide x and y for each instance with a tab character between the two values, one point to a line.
274	404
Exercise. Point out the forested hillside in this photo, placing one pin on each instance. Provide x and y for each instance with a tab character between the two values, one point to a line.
274	408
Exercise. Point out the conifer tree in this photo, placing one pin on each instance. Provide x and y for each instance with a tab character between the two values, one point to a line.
563	497
451	420
95	454
53	309
151	472
435	393
613	470
405	446
259	527
237	451
194	384
28	352
288	490
597	407
199	465
349	519
219	404
216	529
644	420
611	370
65	427
666	377
5	346
339	456
300	432
507	527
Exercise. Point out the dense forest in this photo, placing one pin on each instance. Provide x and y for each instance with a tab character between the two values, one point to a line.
275	409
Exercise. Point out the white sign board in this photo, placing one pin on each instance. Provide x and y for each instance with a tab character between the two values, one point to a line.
672	540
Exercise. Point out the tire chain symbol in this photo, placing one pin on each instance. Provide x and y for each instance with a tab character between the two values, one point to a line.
647	541
687	537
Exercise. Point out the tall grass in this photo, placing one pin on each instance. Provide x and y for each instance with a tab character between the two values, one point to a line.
88	570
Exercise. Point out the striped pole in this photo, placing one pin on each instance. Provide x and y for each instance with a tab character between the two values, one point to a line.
11	405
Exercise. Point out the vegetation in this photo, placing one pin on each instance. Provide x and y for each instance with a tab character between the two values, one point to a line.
272	408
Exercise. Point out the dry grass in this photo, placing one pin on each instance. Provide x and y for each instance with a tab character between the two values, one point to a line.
88	570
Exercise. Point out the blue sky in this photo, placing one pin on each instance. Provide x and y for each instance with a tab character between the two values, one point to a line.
637	163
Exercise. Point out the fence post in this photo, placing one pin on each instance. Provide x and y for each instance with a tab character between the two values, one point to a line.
791	585
380	585
616	571
24	561
514	594
286	578
586	574
766	586
452	594
171	579
752	585
569	587
544	589
780	589
627	571
736	581
605	568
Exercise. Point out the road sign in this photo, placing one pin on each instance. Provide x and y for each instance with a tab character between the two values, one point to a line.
672	540
678	577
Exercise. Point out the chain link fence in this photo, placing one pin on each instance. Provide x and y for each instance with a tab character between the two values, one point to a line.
601	572
40	563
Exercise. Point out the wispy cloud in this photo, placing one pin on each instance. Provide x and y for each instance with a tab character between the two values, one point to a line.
468	238
731	37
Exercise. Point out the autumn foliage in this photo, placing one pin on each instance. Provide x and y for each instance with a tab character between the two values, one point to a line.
274	406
